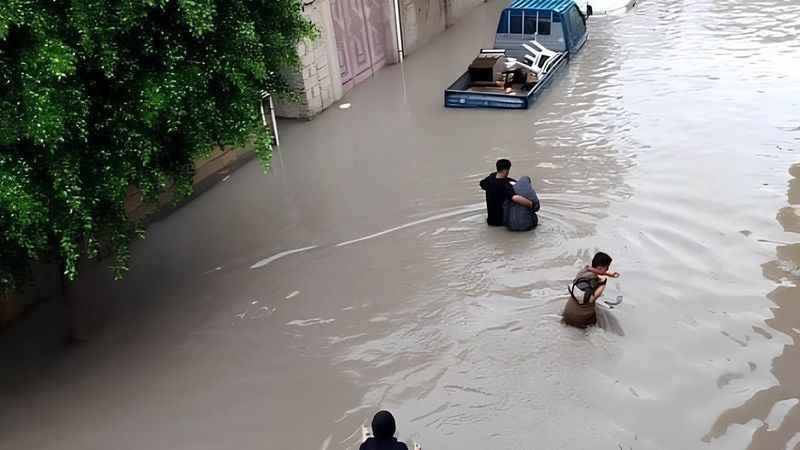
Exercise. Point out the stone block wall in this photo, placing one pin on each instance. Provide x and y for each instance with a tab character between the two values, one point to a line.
317	81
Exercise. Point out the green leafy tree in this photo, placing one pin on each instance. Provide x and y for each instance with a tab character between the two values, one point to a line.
97	96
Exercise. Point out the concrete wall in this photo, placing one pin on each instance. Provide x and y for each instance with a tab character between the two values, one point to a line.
421	20
206	172
456	9
317	81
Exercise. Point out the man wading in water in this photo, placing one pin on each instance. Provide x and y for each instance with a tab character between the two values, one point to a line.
499	187
587	287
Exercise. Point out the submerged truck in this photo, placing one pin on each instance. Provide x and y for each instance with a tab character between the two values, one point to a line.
534	40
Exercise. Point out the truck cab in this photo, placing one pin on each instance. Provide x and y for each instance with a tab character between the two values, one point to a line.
559	25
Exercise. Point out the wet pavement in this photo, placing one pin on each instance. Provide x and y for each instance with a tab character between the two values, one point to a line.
281	311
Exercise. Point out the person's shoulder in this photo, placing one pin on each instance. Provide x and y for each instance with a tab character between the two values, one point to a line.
366	445
401	446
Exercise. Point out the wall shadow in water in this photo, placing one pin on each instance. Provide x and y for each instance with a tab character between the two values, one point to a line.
786	319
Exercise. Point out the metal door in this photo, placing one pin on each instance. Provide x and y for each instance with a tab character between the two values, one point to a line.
360	27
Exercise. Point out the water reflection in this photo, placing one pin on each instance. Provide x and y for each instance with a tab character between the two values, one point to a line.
785	271
761	22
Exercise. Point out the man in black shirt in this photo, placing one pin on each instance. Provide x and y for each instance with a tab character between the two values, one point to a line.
499	188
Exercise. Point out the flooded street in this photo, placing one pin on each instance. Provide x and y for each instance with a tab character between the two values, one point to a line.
281	311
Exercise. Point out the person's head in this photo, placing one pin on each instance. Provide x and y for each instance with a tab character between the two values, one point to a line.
383	425
503	166
524	187
601	261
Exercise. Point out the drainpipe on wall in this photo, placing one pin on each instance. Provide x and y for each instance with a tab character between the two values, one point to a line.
398	29
266	97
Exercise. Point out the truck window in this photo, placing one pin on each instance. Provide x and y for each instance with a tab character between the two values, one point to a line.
530	23
544	26
502	25
515	27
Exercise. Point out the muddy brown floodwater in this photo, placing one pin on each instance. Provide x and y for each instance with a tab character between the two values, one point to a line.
281	311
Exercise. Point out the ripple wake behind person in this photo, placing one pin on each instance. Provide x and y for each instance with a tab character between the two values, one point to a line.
383	428
499	187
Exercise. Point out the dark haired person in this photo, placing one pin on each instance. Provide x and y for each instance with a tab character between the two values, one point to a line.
383	428
588	286
499	187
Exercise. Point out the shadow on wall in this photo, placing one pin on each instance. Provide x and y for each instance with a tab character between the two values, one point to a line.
421	20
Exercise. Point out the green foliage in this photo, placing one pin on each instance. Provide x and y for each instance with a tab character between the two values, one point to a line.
97	96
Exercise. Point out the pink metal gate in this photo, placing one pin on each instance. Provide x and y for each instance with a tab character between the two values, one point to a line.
360	27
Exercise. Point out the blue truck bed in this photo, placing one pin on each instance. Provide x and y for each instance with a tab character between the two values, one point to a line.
462	93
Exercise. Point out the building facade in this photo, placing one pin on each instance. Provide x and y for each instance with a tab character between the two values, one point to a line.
356	39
